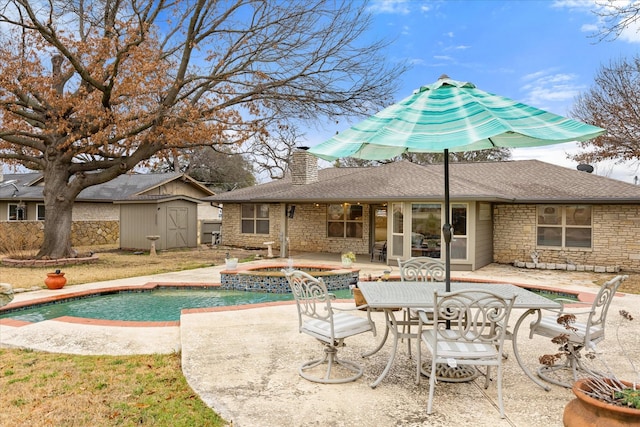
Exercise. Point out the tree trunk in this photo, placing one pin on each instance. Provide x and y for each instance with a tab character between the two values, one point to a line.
58	205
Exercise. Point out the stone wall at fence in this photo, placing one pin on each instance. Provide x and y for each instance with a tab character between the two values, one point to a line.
19	235
615	237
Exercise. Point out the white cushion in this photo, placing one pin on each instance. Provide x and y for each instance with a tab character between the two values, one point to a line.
345	325
458	348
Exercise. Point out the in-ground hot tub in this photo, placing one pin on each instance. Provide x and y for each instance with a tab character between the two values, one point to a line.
270	278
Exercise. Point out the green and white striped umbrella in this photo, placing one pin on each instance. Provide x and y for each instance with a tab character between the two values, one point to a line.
452	115
449	115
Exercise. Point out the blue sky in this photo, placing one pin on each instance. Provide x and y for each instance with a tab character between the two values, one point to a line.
538	52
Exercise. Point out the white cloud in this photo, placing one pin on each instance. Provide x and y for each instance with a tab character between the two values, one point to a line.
551	91
400	7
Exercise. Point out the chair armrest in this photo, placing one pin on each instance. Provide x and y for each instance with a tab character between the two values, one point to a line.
352	308
563	308
423	317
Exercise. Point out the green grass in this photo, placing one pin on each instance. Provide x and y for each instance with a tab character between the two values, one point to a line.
69	390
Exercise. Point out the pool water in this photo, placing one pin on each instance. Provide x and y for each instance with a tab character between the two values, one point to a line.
159	305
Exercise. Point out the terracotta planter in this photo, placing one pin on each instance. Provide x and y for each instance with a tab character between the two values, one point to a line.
585	411
55	280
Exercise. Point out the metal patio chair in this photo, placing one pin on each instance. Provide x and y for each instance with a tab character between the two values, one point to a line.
418	269
468	328
329	325
584	330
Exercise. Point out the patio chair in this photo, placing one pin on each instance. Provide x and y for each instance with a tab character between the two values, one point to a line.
418	269
587	330
379	251
468	328
329	325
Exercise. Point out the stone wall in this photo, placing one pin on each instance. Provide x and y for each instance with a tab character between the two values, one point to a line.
307	230
231	223
19	235
616	238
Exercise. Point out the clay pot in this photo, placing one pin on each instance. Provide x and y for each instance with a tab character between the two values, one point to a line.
585	411
55	280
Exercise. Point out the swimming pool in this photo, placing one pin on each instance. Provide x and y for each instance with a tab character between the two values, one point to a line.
156	305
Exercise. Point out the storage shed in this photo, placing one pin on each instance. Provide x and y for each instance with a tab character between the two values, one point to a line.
174	218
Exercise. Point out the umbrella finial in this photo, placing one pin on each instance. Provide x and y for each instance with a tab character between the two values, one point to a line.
443	77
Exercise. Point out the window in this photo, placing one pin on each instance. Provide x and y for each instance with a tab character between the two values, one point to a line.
564	226
255	218
345	221
17	212
40	212
397	229
459	224
426	223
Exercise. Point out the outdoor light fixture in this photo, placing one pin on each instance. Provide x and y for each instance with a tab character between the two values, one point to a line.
292	210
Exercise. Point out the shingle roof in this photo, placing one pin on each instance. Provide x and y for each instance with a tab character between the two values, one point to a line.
515	181
123	187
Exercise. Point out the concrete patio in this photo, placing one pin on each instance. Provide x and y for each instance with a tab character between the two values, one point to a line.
243	361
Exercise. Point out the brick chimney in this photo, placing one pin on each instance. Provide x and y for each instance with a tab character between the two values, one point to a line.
304	167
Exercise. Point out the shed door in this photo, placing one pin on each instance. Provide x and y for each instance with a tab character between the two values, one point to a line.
177	227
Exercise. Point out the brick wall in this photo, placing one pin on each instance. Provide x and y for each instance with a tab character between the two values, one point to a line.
616	237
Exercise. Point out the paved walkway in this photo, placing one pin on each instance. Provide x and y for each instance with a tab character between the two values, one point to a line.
243	362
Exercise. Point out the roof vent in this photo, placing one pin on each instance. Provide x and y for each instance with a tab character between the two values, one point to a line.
585	168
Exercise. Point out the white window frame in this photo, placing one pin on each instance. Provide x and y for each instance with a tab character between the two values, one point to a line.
17	207
563	226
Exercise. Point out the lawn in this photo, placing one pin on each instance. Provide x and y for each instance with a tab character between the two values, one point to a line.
48	389
117	264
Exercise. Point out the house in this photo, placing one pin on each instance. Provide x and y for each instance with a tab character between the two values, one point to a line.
500	211
101	212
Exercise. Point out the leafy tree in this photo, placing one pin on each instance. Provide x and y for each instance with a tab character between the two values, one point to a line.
613	103
90	89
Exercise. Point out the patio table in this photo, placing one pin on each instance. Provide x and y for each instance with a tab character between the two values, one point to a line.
388	296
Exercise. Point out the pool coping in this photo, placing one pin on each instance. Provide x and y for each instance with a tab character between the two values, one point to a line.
583	297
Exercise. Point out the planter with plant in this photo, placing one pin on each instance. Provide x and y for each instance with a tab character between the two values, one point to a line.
348	258
231	263
602	399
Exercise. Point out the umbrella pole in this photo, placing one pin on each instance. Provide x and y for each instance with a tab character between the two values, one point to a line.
446	228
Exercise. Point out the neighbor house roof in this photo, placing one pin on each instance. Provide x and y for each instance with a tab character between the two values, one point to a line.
29	186
522	181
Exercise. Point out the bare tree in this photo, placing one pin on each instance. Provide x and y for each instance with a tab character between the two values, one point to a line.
490	155
615	17
270	154
613	103
89	89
